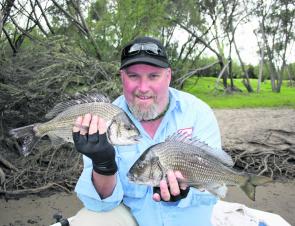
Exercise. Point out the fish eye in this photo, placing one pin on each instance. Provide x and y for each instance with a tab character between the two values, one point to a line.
128	127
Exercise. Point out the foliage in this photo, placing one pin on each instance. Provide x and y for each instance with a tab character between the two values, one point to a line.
276	29
48	72
31	83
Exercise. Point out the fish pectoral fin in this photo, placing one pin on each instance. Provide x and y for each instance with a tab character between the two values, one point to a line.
219	190
191	184
55	140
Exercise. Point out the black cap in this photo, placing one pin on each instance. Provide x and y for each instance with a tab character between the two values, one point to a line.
143	55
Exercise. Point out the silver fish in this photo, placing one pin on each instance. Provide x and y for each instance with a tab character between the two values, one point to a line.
197	162
121	130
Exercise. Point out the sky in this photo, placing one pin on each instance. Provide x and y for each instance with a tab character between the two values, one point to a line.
246	42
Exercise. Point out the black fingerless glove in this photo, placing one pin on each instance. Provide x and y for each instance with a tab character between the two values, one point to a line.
173	198
99	150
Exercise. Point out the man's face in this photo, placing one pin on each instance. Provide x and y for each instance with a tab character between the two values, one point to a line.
145	88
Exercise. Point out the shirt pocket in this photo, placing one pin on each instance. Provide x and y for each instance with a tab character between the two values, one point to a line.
197	198
132	190
126	158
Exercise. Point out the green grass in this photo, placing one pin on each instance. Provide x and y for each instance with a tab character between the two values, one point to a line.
204	89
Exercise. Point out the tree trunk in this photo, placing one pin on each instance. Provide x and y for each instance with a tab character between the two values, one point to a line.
4	13
45	17
246	80
230	75
274	76
1	22
261	62
221	74
291	82
221	58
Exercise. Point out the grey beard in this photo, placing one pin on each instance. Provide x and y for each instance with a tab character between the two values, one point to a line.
141	115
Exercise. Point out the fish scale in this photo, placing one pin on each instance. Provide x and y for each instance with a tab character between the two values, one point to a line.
201	170
120	129
200	165
98	108
67	118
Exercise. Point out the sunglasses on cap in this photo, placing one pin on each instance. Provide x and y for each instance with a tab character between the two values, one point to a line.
149	48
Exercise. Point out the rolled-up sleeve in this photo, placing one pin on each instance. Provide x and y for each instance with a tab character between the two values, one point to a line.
88	195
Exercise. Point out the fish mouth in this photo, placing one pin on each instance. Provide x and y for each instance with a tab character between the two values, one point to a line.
131	177
136	138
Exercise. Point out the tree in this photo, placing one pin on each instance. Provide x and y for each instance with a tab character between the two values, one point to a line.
276	30
232	14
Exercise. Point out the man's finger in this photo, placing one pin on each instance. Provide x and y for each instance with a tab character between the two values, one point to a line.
156	197
78	124
182	185
85	124
165	193
93	125
102	127
173	184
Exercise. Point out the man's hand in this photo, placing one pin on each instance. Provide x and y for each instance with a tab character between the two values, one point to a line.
89	135
171	190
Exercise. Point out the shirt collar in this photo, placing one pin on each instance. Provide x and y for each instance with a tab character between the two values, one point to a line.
175	102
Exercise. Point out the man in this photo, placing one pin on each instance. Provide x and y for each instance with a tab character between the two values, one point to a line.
158	111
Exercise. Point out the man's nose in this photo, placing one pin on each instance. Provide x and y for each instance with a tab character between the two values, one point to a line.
143	85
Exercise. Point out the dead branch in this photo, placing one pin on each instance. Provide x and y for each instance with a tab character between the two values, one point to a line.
32	190
7	164
2	176
182	79
45	17
220	75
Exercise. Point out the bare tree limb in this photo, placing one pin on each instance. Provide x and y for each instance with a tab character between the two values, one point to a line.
88	33
1	21
220	74
7	164
78	24
2	176
182	79
246	80
45	17
36	19
9	41
4	13
25	32
82	26
33	190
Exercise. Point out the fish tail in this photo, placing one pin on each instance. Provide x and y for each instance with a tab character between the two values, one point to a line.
250	185
27	137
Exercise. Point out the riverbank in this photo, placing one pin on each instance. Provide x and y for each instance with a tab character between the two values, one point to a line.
38	211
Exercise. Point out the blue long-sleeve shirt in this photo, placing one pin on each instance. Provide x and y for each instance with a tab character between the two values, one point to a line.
187	114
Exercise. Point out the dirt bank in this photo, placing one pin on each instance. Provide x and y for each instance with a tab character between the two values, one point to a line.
238	128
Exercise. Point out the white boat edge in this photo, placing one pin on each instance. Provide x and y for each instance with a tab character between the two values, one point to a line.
59	224
227	210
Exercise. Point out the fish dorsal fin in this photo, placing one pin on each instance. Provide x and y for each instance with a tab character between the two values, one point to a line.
78	99
220	155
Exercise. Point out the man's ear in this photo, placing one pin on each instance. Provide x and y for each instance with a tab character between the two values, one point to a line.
169	75
121	74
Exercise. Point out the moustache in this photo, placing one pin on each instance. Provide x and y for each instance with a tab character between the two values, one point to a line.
145	95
